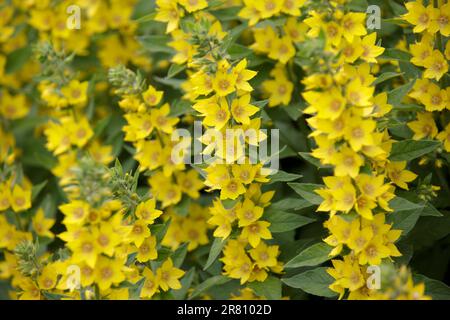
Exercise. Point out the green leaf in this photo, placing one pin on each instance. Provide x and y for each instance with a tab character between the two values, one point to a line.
160	230
311	256
398	9
147	18
175	69
17	59
314	161
238	51
186	282
434	288
156	43
314	282
281	221
230	13
216	249
386	76
396	54
282	176
395	96
405	214
179	255
407	150
358	5
208	284
179	107
306	191
288	204
37	189
294	111
174	83
260	104
102	125
269	288
182	208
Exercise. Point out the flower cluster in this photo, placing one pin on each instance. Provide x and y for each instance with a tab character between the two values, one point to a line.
345	120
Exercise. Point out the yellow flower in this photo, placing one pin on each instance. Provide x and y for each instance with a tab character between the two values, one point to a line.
138	232
371	186
351	51
42	225
434	99
147	250
443	19
255	232
223	224
168	276
421	50
168	11
13	106
359	238
264	39
5	196
353	25
373	252
358	94
20	198
344	197
146	211
161	121
151	284
364	206
47	278
189	183
380	106
295	30
282	49
243	76
195	233
152	97
193	5
80	132
250	12
359	133
422	18
75	212
292	7
346	162
248	213
370	49
444	136
242	110
107	238
149	154
85	249
216	114
108	272
268	8
424	126
279	90
436	66
76	92
224	82
231	189
30	291
398	175
352	277
265	256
